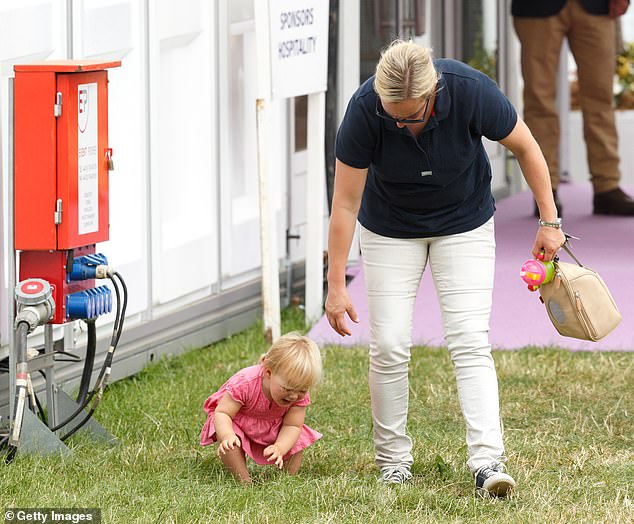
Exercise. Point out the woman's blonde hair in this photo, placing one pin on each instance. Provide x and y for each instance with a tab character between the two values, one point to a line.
405	71
296	358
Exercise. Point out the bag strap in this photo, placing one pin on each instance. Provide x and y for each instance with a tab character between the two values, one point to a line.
566	246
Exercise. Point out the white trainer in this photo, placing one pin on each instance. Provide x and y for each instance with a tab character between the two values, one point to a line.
395	475
492	481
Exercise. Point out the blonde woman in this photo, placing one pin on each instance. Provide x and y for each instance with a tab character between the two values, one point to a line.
260	410
411	167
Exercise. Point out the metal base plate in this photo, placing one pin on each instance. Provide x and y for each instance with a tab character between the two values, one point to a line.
66	406
37	438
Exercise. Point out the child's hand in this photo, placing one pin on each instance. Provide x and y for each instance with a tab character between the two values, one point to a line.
273	454
227	444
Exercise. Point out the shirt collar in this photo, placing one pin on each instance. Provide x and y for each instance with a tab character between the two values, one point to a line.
440	111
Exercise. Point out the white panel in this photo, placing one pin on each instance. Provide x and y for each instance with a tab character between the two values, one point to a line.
627	25
186	186
240	232
176	19
490	42
116	30
107	29
127	249
6	295
579	170
497	158
349	53
297	203
184	176
29	30
26	33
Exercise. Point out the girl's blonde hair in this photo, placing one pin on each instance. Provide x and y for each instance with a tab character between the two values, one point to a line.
296	358
405	71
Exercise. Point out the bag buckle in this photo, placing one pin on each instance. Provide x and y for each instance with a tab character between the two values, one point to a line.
566	246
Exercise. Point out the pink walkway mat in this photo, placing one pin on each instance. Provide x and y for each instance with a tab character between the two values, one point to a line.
518	318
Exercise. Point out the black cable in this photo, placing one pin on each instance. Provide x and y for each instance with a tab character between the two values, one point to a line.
118	314
116	335
86	401
75	413
21	332
117	329
40	409
78	426
11	450
125	304
4	447
118	326
89	362
71	357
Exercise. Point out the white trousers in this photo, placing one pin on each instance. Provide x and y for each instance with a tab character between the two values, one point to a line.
462	268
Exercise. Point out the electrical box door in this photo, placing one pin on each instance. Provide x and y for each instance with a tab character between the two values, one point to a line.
61	154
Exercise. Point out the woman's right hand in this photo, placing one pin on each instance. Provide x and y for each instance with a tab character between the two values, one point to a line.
338	303
228	444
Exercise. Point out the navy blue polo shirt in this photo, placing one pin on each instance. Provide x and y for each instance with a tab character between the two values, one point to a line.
438	183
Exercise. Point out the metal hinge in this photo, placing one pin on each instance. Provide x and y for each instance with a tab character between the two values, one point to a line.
58	211
58	105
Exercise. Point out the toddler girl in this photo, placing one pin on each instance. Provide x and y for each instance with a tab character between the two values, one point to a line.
260	410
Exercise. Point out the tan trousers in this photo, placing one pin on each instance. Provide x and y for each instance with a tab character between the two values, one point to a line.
592	42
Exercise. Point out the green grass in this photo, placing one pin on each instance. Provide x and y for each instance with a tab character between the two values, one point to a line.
569	420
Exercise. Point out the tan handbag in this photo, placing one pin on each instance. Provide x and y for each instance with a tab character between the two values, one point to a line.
578	302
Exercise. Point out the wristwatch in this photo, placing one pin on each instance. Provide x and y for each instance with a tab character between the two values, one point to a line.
555	223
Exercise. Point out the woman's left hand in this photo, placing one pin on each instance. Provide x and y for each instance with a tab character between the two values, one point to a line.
548	241
273	454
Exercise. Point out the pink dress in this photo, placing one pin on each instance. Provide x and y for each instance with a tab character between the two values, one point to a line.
259	420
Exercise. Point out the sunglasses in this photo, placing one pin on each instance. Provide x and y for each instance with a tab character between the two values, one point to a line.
380	112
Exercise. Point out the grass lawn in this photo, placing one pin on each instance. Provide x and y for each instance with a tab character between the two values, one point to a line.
569	434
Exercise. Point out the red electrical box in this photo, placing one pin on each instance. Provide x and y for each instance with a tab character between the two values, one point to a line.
61	154
61	164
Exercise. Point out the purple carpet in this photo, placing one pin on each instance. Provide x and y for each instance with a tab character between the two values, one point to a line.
518	318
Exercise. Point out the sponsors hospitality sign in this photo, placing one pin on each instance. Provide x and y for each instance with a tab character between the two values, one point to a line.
298	47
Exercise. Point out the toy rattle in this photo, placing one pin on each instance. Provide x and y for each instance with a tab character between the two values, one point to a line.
537	272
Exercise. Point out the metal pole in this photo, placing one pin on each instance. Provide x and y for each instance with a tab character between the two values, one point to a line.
563	109
51	387
70	30
315	204
268	234
11	281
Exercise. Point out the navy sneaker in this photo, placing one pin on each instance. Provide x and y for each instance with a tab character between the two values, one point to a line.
395	475
491	481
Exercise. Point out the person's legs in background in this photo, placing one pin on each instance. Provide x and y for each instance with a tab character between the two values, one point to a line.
463	268
541	40
392	282
592	43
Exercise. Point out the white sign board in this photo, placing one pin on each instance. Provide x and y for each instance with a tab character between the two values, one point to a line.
87	161
297	35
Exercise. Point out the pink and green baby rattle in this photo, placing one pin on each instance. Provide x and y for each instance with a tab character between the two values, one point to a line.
537	272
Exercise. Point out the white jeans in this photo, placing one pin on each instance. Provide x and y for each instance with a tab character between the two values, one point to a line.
462	268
